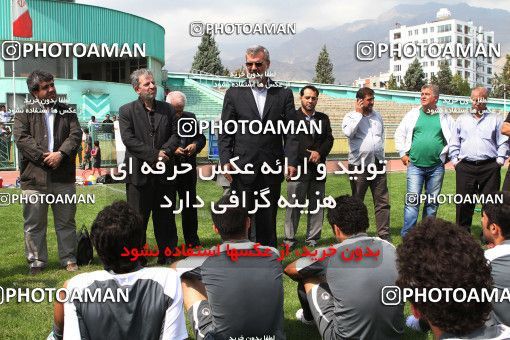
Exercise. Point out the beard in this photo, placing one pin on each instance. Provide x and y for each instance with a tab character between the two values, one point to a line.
147	96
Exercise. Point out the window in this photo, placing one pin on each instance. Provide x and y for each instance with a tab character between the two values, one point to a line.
459	28
467	63
444	40
415	31
432	29
397	68
431	74
467	75
425	40
459	62
431	40
432	63
467	41
489	70
459	40
444	28
425	64
489	39
396	35
410	33
424	30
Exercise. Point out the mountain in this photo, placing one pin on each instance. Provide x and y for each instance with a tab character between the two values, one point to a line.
294	58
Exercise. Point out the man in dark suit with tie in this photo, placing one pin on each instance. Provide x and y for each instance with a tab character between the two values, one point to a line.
314	147
148	129
259	99
186	183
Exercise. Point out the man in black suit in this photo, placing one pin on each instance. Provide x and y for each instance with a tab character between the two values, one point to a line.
259	99
148	129
314	147
186	184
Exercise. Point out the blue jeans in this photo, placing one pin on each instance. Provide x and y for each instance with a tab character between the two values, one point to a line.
432	177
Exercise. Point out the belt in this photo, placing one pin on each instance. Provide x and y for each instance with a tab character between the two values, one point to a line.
480	162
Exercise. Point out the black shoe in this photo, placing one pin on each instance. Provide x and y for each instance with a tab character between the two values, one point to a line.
35	270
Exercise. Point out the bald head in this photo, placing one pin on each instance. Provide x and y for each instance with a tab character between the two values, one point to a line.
479	97
178	100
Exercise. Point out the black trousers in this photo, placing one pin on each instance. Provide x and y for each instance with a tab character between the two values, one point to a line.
380	195
475	179
148	198
264	219
186	184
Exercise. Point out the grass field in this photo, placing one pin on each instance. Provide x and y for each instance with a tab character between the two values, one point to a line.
34	321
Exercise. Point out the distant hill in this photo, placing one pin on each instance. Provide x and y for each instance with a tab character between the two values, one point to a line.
294	58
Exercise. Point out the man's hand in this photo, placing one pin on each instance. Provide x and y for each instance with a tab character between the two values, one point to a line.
180	151
164	158
405	160
291	172
52	159
359	105
191	149
228	166
315	157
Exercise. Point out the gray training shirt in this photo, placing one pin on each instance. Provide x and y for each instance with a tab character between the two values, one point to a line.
245	296
356	281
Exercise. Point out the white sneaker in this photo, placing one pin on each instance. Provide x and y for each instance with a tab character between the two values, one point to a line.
301	317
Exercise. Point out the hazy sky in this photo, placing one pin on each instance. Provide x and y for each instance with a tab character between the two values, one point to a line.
175	16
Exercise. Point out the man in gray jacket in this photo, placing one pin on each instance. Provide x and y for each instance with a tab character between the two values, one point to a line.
47	134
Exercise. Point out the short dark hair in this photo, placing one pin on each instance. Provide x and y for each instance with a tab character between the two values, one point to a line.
499	212
115	227
310	87
37	77
350	215
231	223
363	92
439	254
86	130
96	143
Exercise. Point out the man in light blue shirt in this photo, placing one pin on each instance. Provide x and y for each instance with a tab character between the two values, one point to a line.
477	150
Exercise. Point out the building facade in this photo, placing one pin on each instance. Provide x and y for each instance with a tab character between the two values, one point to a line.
476	69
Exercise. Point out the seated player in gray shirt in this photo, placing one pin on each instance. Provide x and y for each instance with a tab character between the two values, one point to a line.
341	293
230	294
440	255
496	230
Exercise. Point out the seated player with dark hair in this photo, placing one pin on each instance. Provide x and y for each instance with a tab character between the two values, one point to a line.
154	309
438	254
342	295
496	230
228	298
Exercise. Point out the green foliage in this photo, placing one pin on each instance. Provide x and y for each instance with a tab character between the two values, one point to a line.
444	78
460	86
207	58
392	83
414	78
324	68
501	82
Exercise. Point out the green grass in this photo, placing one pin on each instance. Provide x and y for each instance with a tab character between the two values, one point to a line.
34	321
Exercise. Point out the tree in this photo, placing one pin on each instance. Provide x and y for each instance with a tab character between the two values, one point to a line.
444	78
433	79
414	78
501	81
207	58
460	86
324	68
392	83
